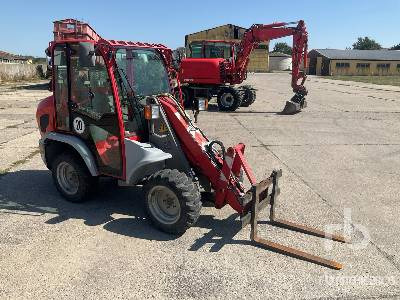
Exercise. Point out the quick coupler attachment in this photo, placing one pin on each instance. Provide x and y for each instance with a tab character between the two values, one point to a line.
266	192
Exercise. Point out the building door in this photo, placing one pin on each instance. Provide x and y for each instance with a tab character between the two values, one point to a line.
319	66
325	67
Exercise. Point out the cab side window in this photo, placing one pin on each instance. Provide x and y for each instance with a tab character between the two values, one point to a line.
91	91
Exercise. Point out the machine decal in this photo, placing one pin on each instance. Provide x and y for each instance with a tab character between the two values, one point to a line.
163	127
79	125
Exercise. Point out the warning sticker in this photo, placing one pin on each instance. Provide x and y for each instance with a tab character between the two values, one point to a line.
79	125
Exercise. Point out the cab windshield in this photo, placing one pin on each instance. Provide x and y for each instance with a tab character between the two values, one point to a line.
143	70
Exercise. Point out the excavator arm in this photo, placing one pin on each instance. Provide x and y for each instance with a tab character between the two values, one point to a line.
262	33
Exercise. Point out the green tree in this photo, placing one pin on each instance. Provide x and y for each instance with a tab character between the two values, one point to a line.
365	43
395	47
283	48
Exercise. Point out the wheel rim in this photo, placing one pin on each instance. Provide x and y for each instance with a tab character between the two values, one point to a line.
67	178
227	99
164	205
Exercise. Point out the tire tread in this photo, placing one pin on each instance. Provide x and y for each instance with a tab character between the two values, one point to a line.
187	193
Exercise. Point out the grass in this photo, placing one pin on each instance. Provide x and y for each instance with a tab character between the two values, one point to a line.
382	80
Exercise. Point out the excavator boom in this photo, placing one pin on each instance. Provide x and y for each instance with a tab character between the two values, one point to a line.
262	33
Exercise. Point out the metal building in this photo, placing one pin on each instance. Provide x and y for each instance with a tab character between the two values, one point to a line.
280	61
353	62
259	61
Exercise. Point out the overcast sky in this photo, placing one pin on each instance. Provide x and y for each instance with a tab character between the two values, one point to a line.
26	26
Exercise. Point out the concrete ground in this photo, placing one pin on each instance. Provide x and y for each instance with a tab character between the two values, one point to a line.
340	162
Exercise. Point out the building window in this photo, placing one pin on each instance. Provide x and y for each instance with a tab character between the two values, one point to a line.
342	65
363	66
383	66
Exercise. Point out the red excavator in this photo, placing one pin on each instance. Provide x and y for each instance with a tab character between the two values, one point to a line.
203	75
112	114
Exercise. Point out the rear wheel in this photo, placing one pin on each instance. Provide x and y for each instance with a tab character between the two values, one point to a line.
249	97
172	201
228	99
72	179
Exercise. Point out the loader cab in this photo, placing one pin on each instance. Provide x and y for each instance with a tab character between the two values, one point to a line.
100	95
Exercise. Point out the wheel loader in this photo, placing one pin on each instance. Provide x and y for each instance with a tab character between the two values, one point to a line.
112	114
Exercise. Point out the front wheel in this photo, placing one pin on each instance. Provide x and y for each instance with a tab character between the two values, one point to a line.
228	99
172	200
187	98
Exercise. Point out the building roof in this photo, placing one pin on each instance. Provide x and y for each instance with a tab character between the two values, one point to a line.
279	54
229	25
9	56
6	55
360	54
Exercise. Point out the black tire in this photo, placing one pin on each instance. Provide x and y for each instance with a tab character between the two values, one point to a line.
229	99
176	94
187	98
86	182
186	192
249	97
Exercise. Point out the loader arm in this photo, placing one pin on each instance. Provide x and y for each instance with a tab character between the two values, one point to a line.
262	33
223	170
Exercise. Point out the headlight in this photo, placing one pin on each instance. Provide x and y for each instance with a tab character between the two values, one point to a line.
151	112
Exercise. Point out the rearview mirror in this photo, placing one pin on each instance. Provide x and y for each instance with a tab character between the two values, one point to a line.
86	55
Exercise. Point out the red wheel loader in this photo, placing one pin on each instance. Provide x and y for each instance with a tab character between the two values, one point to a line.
215	67
112	114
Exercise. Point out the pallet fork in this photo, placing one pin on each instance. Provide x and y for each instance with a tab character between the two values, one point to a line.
259	200
224	170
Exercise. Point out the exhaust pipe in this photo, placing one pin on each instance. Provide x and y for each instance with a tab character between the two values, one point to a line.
294	105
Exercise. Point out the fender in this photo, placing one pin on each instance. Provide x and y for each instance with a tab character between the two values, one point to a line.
73	141
142	160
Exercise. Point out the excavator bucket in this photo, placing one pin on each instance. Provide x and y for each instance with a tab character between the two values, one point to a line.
260	198
294	105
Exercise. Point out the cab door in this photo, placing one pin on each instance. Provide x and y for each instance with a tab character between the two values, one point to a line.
93	112
60	86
